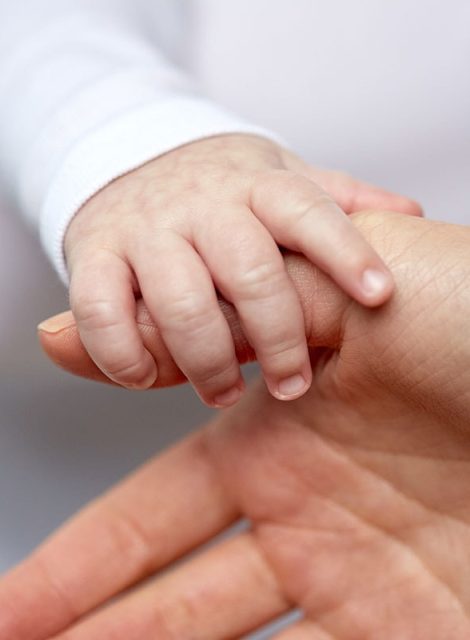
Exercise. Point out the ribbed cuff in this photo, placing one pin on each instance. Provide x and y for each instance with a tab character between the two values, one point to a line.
121	145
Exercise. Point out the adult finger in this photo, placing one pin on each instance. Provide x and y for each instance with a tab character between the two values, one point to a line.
180	295
351	194
158	514
249	271
103	305
354	195
303	217
323	306
304	630
197	600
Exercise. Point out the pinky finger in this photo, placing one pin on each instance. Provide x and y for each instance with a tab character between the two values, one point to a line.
103	303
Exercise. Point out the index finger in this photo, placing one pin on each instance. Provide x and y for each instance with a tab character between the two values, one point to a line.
168	507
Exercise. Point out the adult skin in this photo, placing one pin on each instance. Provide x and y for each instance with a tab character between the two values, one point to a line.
357	492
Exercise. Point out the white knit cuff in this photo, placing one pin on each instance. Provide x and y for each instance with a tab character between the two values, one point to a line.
121	145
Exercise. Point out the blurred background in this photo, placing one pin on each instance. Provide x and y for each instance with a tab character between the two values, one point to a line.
364	88
62	439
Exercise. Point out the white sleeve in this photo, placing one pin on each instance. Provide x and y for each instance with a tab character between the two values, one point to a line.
85	96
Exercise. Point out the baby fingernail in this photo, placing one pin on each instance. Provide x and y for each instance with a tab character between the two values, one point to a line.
291	387
375	282
227	398
145	383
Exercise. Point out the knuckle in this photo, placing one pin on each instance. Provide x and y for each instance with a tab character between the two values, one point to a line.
61	597
294	197
265	179
296	182
283	361
130	371
355	251
282	347
94	314
304	205
189	310
268	186
305	197
216	371
260	280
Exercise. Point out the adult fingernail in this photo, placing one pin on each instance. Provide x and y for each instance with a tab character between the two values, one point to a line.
227	398
291	387
57	323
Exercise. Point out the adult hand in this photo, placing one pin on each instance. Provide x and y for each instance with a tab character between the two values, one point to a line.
357	492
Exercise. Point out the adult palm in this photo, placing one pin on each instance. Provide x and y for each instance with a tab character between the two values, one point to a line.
357	493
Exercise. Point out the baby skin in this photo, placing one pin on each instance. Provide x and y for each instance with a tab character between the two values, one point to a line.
208	219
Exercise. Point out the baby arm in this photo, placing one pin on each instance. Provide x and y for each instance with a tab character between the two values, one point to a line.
108	101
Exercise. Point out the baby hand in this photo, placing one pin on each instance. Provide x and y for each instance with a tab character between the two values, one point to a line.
209	217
